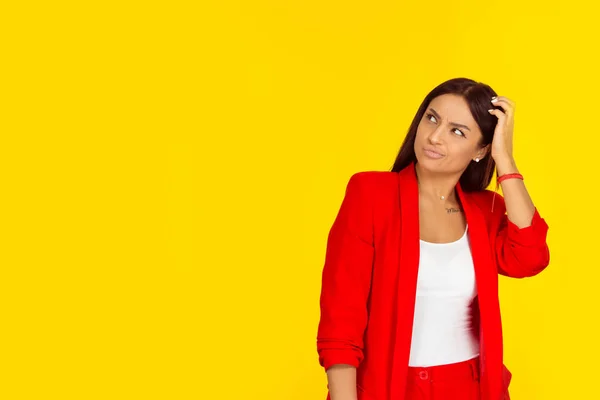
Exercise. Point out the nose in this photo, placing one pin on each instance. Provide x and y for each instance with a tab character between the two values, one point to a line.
434	137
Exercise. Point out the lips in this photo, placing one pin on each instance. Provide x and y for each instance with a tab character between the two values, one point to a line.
432	153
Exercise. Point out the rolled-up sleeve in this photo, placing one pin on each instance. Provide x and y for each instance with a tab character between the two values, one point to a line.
522	252
346	278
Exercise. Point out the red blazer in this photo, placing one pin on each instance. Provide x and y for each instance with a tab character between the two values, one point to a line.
370	274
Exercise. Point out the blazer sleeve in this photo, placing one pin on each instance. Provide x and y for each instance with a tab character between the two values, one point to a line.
346	278
521	252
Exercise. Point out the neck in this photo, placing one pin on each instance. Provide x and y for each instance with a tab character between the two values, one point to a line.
434	186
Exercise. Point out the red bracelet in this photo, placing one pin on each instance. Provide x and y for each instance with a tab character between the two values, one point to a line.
509	176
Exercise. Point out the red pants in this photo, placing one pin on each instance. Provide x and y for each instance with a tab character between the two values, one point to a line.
458	381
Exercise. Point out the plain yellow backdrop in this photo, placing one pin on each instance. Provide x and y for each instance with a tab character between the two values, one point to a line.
170	171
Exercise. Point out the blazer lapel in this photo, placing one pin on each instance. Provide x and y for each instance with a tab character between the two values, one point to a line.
406	286
487	292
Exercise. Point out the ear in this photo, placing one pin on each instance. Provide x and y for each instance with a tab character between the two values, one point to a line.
482	152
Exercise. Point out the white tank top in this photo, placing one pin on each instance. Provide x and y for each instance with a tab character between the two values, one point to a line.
443	331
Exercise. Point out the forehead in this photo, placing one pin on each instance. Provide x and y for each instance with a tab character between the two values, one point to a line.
454	109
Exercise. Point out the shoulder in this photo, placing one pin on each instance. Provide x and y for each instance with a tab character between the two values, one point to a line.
490	202
486	196
374	180
377	190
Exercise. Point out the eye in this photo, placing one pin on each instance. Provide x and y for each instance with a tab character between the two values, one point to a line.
430	116
460	133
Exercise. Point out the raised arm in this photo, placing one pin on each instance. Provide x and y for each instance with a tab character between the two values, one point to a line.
521	247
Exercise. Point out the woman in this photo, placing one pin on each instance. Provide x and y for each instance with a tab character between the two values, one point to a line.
409	298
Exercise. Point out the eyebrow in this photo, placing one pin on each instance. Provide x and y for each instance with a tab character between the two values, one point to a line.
453	123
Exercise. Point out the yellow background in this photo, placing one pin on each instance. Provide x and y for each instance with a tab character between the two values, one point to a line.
170	171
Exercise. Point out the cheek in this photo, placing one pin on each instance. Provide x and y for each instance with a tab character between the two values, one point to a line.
422	132
461	151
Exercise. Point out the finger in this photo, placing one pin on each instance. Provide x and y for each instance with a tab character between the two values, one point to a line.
509	101
504	99
504	104
498	113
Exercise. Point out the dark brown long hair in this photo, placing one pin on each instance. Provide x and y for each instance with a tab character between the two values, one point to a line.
478	175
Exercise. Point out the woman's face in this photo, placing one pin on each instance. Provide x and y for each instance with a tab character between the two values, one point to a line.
448	137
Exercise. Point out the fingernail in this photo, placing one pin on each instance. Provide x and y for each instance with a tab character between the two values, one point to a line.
494	100
494	97
490	111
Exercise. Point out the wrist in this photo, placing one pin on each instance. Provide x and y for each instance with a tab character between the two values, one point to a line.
506	166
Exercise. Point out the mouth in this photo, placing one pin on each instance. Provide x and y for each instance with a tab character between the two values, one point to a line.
432	154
